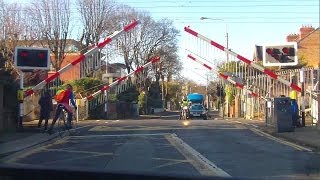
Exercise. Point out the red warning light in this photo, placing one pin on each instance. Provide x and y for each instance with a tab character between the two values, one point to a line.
41	55
24	54
269	51
285	50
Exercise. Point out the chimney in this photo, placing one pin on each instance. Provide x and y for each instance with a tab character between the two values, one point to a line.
305	30
292	37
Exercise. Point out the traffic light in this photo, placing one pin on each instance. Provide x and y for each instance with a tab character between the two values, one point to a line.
280	55
32	58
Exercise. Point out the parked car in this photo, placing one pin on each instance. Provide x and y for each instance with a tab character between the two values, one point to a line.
198	110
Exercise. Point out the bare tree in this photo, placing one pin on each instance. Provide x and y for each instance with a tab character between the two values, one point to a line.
8	33
142	43
16	29
13	28
151	38
96	17
170	64
52	18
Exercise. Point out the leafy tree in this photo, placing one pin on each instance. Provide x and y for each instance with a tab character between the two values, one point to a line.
154	98
130	95
142	102
173	93
84	86
112	98
232	66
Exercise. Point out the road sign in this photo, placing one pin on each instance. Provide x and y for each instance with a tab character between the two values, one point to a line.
30	58
280	54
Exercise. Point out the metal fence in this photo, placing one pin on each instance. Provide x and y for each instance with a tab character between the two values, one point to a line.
263	85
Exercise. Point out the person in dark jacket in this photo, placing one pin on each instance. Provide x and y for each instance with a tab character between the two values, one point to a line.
46	107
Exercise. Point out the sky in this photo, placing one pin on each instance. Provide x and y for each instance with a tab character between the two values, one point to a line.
247	22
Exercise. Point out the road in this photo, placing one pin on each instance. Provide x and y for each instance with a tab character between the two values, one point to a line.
168	146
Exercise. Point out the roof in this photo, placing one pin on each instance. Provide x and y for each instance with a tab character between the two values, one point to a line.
121	65
257	55
298	41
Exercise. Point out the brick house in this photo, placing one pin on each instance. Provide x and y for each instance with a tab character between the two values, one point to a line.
71	74
308	41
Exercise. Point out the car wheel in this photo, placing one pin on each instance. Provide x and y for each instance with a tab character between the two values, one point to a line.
205	118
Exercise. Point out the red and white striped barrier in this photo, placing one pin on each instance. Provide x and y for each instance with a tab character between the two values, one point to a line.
226	77
82	57
119	80
245	60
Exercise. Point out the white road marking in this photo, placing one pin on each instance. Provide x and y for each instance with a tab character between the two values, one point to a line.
119	135
293	145
170	116
106	122
82	127
247	124
97	120
261	133
201	163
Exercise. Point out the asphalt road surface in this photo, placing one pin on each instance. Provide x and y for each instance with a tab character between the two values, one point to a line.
172	147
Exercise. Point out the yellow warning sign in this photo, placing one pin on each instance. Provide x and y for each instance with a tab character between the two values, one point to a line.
20	95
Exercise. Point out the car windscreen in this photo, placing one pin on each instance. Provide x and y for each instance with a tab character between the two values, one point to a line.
197	107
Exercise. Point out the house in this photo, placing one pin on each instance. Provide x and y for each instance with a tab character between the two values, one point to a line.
113	72
308	41
73	73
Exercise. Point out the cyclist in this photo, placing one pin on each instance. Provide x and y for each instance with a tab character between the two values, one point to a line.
184	103
64	104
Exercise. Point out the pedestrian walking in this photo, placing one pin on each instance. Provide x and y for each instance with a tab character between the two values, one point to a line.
46	107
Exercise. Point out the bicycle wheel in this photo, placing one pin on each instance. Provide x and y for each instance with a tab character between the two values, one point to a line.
62	123
184	116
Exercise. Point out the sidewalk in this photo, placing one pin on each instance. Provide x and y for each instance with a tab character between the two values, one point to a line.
11	142
308	136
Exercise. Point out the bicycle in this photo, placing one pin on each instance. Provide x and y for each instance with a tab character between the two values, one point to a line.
184	113
62	123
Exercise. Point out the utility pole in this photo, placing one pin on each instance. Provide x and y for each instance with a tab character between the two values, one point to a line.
106	94
227	37
207	92
21	97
